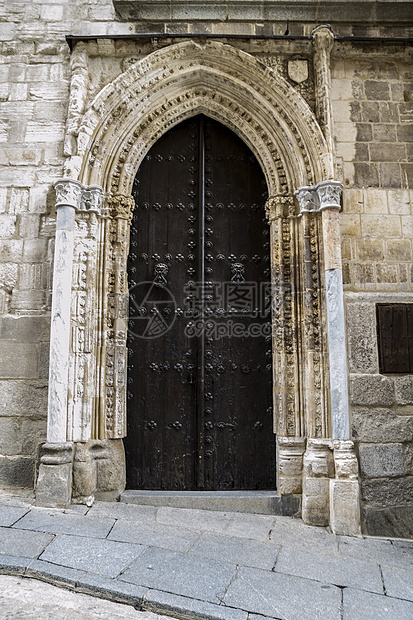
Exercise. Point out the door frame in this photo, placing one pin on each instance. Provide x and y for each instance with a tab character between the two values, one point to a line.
106	144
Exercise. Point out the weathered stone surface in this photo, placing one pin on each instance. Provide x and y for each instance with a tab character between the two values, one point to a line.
277	595
185	575
19	543
345	515
381	460
237	551
361	338
394	521
172	604
404	390
374	607
372	390
375	425
103	557
384	493
16	471
168	537
337	570
58	523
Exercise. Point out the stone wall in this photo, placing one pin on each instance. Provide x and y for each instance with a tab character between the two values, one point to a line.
372	110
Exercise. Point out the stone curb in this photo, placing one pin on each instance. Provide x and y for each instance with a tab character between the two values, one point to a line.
142	598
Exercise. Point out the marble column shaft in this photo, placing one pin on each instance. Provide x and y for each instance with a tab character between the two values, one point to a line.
68	193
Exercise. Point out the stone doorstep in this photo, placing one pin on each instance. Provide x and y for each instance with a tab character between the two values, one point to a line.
253	502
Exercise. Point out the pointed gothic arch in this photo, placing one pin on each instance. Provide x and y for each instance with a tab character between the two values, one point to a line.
211	78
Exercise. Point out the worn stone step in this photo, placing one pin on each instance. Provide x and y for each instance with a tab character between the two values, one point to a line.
259	502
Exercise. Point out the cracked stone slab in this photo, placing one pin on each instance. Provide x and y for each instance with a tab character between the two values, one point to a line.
164	602
54	573
155	534
103	557
112	589
23	543
283	596
10	565
380	551
118	510
398	582
186	575
358	604
256	527
61	523
332	569
238	551
294	533
11	514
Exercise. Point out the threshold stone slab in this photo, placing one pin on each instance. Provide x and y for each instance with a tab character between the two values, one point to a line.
259	502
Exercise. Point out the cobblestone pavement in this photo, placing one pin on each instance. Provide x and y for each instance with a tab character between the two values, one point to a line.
204	564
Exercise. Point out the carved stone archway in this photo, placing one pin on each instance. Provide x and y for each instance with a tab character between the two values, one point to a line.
107	145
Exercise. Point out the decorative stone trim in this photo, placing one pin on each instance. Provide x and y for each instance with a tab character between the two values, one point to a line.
324	195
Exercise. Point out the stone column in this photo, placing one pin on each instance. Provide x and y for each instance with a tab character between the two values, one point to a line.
325	500
54	480
328	194
288	411
317	465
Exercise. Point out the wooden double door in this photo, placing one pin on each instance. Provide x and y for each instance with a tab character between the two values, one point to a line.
199	338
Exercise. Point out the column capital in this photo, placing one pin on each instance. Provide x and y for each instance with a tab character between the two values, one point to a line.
68	193
91	199
279	206
72	193
324	195
329	194
122	206
307	199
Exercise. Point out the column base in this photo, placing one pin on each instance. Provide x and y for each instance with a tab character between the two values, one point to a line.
54	482
318	469
290	451
345	518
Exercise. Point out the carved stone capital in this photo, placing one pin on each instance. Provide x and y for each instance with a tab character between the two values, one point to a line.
307	199
324	195
71	193
279	206
68	193
122	207
329	194
323	36
91	199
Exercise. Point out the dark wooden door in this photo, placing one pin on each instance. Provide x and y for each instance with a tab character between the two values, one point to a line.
199	369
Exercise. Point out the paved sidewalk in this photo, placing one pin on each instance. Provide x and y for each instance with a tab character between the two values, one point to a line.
210	565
